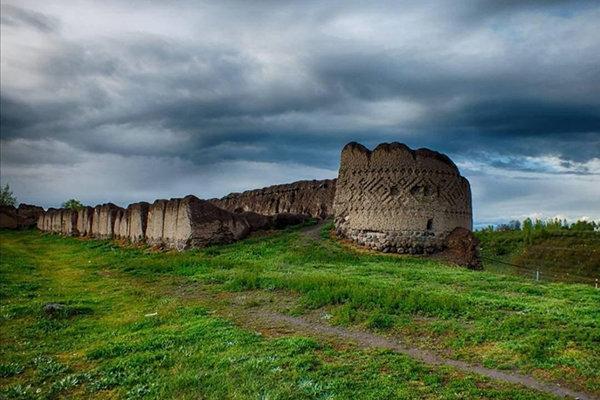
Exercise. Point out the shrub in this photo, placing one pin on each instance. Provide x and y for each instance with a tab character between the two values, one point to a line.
72	204
7	197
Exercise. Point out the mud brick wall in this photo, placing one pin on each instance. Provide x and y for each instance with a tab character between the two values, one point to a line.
314	198
395	199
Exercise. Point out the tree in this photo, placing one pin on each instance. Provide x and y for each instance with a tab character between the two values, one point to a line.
7	198
528	231
582	225
72	204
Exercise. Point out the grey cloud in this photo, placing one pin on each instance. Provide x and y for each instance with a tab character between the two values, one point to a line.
284	83
16	16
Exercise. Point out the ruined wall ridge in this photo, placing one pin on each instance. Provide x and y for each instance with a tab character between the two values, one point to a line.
310	197
385	149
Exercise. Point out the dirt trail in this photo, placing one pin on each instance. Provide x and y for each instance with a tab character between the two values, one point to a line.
313	231
369	340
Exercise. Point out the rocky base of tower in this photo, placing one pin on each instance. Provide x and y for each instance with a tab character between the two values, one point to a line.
402	242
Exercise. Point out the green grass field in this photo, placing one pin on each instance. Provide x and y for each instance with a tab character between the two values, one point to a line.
142	324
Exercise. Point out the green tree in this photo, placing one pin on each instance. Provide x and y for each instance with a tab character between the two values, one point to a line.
72	204
7	198
528	231
581	225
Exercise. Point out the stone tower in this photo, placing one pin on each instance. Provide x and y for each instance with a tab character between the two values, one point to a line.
395	199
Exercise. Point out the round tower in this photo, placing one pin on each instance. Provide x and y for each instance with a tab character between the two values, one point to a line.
395	199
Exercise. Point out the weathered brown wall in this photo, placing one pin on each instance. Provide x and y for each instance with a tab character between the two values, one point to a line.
390	199
103	220
122	227
59	220
56	220
156	222
68	224
192	222
8	217
28	215
25	216
314	198
397	199
137	220
45	221
40	222
120	223
85	217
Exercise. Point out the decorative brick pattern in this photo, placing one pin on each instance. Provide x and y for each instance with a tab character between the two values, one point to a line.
395	199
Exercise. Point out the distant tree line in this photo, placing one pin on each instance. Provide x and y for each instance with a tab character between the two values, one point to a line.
538	227
7	198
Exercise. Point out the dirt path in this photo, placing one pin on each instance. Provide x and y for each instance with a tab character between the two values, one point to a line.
313	231
287	323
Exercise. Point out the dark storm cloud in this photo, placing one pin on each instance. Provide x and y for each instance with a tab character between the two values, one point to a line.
16	16
511	85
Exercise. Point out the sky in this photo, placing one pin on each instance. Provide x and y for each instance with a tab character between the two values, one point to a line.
126	101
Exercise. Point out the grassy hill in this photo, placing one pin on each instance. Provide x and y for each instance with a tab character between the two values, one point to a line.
199	324
562	255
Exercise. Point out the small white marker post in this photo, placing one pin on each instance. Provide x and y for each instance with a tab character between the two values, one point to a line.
537	276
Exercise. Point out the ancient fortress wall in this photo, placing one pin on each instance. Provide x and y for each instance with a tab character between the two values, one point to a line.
174	224
391	199
191	222
129	223
104	219
395	199
156	222
24	216
59	221
84	221
137	218
69	222
314	198
121	226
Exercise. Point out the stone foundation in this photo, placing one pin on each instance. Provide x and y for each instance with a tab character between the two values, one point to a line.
402	242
